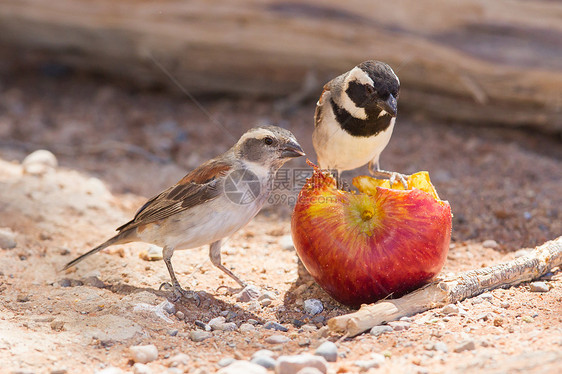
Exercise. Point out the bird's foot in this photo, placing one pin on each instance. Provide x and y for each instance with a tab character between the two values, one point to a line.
392	176
179	292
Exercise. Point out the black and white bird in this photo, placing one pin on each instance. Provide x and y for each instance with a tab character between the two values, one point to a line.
355	118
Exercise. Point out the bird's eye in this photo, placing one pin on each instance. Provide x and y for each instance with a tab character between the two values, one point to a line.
268	140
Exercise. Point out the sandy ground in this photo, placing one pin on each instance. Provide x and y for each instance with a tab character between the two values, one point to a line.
117	146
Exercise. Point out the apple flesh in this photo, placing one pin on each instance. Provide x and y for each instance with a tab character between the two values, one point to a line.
362	247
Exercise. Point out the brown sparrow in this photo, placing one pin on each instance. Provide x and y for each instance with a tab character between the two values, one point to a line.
212	202
355	117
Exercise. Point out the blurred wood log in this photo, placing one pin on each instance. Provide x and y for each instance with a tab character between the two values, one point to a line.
484	62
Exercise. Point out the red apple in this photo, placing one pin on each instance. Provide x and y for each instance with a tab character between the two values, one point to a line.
362	247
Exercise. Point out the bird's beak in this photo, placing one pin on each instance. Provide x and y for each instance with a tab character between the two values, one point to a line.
389	105
292	149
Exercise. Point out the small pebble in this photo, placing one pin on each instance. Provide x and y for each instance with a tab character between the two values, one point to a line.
468	345
202	325
485	316
399	325
277	339
376	362
476	300
224	362
59	371
173	332
450	309
504	304
249	293
22	298
539	287
487	296
301	289
271	325
39	162
199	335
180	315
178	359
219	323
328	350
243	367
521	253
139	368
308	328
110	370
379	330
7	238
490	243
286	243
267	362
93	282
498	322
144	353
318	319
57	325
266	302
304	342
309	370
527	319
246	327
153	253
292	364
313	306
440	346
267	295
263	352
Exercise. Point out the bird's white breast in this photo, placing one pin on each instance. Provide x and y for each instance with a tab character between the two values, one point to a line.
337	149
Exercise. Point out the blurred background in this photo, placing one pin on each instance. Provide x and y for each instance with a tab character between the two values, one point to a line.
139	92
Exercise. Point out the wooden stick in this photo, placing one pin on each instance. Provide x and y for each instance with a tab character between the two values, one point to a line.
449	291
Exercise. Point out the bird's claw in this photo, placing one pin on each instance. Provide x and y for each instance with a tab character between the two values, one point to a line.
392	177
178	293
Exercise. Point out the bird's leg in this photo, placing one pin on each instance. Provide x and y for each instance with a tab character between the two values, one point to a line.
392	176
341	183
167	253
215	255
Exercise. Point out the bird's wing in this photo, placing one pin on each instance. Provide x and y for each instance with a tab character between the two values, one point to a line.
324	98
197	187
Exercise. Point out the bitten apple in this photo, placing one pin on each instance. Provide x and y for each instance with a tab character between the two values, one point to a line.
362	247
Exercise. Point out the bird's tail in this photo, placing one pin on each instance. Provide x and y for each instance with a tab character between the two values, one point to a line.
117	239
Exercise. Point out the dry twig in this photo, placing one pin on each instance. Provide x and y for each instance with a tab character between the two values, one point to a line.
449	291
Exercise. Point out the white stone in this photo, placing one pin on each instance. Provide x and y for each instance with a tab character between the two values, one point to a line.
313	306
110	370
39	162
328	350
243	367
292	364
277	339
178	359
7	238
139	368
144	353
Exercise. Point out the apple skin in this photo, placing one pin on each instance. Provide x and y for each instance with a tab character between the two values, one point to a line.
361	248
